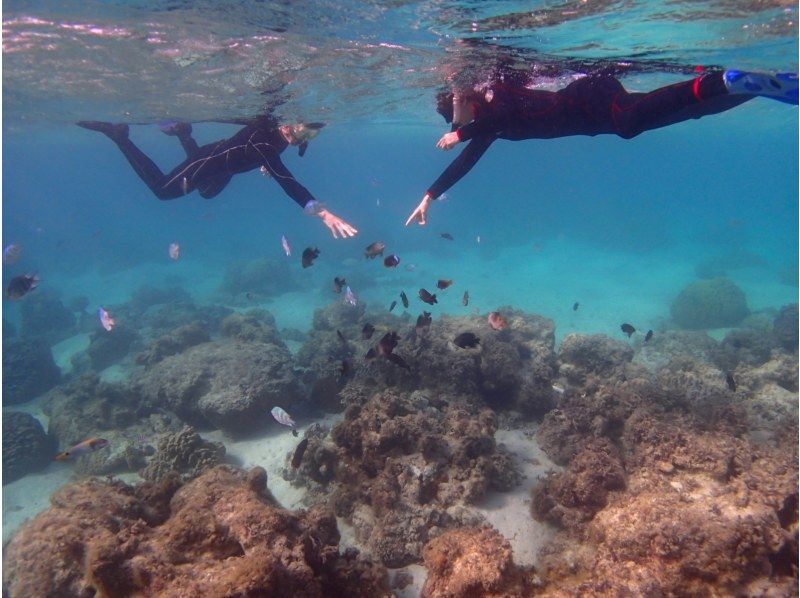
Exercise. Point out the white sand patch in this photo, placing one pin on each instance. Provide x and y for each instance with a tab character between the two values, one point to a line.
64	350
510	512
272	451
23	499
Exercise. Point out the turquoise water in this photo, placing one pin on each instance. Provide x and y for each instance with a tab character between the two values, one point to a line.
618	226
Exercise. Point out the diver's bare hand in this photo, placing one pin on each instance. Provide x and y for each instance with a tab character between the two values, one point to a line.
448	141
336	225
420	212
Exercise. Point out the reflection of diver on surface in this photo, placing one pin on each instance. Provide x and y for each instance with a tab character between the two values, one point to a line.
593	105
209	168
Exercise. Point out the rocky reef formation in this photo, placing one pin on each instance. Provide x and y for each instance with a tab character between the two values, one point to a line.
45	316
177	341
105	348
220	535
470	562
262	277
713	303
401	468
28	370
26	447
184	453
673	484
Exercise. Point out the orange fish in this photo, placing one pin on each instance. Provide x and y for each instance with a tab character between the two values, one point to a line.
89	445
442	283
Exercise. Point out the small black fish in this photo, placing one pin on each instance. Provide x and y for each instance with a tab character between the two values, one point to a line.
371	354
730	381
294	432
404	299
387	344
341	336
443	283
339	284
367	331
628	329
396	359
309	255
465	299
391	261
447	236
427	297
297	459
21	286
466	339
648	336
249	295
575	306
424	321
391	307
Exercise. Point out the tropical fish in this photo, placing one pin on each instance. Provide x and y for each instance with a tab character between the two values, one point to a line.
558	388
287	249
628	329
465	299
375	249
367	331
11	254
575	306
427	297
442	284
648	336
105	319
497	321
174	251
309	255
284	418
466	339
264	171
89	445
346	369
478	239
341	336
392	306
21	286
185	185
730	381
350	296
397	360
391	261
297	458
410	267
404	299
339	284
447	236
423	321
385	349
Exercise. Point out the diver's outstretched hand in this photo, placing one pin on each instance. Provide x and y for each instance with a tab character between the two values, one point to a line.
420	212
448	141
336	225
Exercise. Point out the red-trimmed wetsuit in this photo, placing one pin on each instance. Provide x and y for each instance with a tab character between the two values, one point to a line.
592	105
208	169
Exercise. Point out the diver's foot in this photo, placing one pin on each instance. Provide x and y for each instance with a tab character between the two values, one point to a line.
781	86
175	129
114	131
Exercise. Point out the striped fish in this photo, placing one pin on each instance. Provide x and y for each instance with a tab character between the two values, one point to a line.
282	417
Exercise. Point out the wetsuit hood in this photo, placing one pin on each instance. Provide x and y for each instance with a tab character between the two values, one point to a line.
301	149
444	106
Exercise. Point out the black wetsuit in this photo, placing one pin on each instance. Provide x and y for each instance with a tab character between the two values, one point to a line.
208	169
592	105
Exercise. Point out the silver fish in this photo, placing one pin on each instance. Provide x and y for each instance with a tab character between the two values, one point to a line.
282	417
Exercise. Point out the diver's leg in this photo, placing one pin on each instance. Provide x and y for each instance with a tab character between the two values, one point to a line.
634	113
183	131
141	164
211	187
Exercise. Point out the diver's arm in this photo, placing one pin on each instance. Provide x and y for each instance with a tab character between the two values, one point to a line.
468	157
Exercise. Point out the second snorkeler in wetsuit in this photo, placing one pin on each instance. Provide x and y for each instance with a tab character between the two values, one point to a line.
209	168
592	105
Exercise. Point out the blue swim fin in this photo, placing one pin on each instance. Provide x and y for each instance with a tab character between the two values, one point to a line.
781	86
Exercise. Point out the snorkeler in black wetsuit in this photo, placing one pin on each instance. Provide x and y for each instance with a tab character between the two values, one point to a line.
209	168
592	105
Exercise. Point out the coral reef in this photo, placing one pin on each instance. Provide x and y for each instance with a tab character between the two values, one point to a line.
26	447
401	467
184	453
471	562
581	356
28	370
105	349
225	384
713	303
785	328
219	535
257	325
261	277
175	342
147	296
43	315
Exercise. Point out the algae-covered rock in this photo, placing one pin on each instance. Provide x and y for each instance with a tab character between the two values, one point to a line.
26	447
714	303
28	370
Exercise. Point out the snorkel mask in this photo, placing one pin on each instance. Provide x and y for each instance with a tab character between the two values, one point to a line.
305	132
